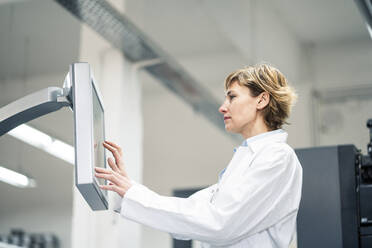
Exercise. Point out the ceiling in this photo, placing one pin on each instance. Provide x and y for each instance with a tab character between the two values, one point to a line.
33	38
189	27
323	21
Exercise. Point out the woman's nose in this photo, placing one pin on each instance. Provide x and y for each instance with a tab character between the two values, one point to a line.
222	109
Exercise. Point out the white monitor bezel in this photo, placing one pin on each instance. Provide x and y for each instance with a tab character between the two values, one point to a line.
82	94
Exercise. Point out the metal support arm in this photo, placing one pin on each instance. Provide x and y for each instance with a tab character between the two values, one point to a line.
33	106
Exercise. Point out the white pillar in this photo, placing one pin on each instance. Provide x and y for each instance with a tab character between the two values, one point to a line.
121	92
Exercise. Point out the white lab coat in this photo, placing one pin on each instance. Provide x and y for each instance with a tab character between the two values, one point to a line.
254	204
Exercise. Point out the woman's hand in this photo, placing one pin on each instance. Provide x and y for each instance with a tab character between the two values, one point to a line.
119	180
118	165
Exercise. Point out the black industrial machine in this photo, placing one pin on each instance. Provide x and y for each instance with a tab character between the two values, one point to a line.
365	192
336	206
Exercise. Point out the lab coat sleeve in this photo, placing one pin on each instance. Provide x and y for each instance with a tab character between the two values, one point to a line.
254	201
201	195
115	200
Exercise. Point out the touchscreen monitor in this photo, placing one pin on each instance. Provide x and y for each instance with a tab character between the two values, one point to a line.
89	134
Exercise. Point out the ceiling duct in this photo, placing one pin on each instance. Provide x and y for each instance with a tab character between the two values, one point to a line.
365	7
137	47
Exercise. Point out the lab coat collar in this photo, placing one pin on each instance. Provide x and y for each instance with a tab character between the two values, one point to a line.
251	146
277	136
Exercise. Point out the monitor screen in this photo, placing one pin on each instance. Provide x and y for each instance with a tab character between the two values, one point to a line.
98	133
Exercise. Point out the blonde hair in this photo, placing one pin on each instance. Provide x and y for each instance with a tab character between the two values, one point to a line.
263	77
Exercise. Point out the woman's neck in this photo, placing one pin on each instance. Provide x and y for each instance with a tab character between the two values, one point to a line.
258	127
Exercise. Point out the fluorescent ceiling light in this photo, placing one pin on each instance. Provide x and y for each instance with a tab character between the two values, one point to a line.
16	179
369	30
44	142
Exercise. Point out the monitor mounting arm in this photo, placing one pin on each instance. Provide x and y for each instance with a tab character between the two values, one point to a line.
35	105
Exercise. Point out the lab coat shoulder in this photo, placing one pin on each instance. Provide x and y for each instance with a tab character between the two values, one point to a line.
275	156
262	149
279	155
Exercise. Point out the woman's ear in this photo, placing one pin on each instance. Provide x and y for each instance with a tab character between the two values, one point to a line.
263	100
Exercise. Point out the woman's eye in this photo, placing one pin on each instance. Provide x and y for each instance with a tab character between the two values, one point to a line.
231	97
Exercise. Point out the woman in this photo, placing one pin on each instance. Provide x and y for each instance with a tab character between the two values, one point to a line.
256	200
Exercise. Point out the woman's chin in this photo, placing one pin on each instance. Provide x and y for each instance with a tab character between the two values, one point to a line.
230	129
227	128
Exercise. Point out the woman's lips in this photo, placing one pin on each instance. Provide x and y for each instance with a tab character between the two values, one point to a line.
226	118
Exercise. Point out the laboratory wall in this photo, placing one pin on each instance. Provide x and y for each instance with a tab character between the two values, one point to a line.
343	103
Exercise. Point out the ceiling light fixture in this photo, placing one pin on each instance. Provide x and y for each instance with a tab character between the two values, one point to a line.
16	179
44	142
